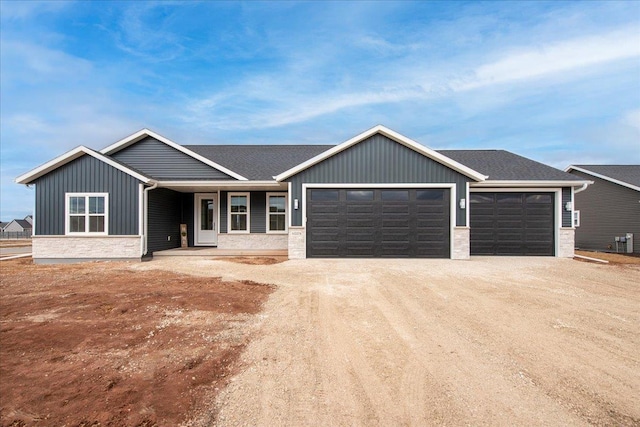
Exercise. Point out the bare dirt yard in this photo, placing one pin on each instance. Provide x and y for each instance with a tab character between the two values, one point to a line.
489	341
100	344
613	258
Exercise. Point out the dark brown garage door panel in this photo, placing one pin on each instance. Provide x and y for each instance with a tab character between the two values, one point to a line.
378	223
512	223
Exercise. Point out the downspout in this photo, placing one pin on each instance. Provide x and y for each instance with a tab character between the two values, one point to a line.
145	216
584	187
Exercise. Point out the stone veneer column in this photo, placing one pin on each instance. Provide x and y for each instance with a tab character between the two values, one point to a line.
461	243
297	242
566	242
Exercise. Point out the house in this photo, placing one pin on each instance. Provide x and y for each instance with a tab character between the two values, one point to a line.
3	225
379	194
608	209
29	219
18	226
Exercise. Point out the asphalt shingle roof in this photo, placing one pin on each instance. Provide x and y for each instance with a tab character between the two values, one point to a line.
629	174
258	162
23	223
263	162
501	165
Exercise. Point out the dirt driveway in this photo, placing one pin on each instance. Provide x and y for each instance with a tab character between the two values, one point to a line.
491	341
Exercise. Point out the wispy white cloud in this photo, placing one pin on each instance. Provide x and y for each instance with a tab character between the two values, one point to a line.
559	57
274	99
37	64
22	10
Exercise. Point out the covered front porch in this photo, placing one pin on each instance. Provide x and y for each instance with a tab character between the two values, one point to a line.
218	219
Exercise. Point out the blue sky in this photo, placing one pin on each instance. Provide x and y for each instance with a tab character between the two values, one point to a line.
558	82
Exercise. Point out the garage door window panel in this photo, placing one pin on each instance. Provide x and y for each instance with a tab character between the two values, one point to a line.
394	195
430	195
360	195
324	195
540	198
509	198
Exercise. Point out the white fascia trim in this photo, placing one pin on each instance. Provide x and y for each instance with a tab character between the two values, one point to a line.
69	156
243	184
407	142
519	184
132	139
606	178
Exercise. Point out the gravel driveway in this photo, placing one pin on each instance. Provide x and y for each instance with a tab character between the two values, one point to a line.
490	341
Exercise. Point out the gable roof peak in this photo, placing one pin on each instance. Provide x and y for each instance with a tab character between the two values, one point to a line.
71	155
624	175
394	136
143	133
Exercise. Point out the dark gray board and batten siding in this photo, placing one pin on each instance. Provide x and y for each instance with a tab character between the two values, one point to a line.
87	175
165	216
567	221
606	210
378	160
156	159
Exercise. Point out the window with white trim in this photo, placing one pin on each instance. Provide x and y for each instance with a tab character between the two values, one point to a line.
276	212
238	213
576	218
86	213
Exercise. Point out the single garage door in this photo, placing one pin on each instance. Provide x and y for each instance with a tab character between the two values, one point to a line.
373	223
512	223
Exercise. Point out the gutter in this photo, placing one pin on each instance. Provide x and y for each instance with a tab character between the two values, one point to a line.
145	217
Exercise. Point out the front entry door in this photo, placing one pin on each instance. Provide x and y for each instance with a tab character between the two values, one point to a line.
206	219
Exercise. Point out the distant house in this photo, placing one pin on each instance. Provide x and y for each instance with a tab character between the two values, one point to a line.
607	211
29	219
18	226
3	225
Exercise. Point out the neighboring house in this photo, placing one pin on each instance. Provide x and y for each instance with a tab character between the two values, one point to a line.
3	225
18	226
379	194
609	208
29	219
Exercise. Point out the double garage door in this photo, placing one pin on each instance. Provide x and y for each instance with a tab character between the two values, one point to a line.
373	223
512	223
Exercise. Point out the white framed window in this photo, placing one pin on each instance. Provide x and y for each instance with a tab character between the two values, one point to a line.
576	218
238	211
277	213
87	213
